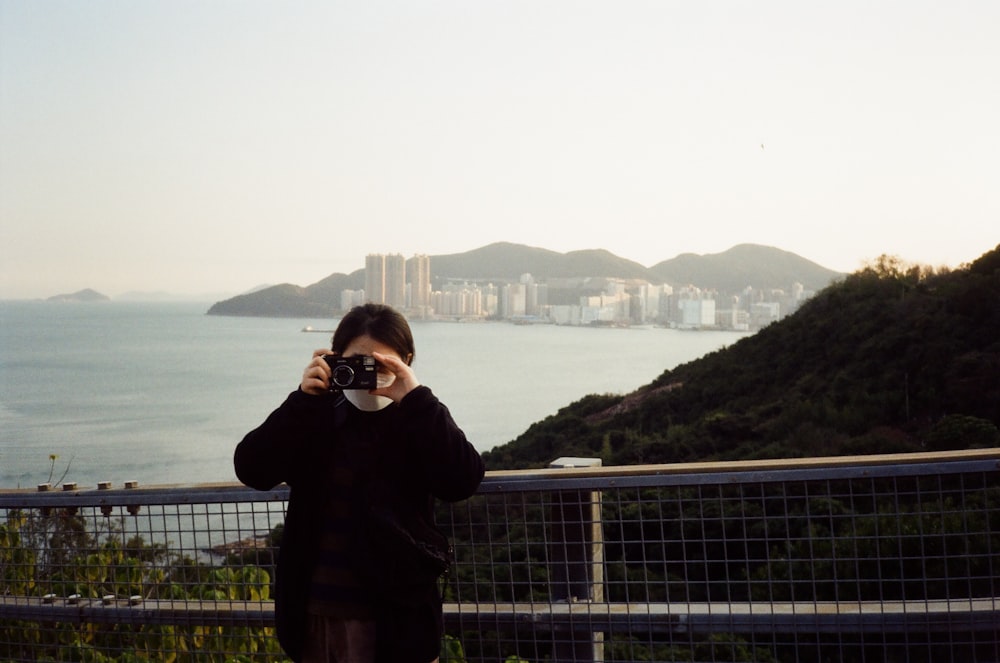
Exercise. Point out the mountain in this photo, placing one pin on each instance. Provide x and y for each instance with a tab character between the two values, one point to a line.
893	358
762	267
759	266
85	295
504	261
321	299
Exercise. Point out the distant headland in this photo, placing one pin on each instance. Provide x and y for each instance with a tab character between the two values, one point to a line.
85	295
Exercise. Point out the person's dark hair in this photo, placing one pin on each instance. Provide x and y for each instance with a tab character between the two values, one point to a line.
383	323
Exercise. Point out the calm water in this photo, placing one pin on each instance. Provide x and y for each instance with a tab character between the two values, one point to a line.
161	393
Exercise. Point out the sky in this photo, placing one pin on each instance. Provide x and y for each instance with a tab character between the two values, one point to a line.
212	147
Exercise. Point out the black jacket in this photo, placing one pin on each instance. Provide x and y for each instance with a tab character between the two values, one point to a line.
424	456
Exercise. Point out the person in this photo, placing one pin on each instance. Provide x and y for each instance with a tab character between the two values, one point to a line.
338	450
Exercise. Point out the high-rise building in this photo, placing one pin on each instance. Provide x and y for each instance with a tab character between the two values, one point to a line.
385	279
395	281
420	281
375	278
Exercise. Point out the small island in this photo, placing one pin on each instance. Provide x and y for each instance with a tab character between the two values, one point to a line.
85	295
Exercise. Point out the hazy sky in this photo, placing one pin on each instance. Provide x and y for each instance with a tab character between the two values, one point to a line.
207	147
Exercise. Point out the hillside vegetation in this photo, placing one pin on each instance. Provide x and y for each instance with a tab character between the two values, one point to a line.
894	358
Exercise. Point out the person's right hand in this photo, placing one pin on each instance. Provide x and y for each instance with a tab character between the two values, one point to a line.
316	377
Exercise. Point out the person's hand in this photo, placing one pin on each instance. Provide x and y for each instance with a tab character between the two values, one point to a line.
405	379
316	376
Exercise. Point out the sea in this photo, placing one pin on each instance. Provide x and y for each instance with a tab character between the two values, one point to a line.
161	393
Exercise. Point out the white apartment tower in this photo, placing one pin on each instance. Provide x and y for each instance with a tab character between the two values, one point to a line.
420	281
375	278
385	279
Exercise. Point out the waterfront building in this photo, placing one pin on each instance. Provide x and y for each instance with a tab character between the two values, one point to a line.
697	313
458	301
514	300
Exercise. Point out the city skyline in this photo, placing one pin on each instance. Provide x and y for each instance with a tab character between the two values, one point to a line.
389	279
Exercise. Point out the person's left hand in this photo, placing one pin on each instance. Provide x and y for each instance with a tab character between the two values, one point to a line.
405	382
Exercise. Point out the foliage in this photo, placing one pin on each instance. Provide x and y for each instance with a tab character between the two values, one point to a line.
57	552
54	552
894	358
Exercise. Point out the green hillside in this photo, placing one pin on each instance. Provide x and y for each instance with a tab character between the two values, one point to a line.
894	358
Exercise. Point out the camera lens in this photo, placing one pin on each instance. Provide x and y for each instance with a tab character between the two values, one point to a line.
343	376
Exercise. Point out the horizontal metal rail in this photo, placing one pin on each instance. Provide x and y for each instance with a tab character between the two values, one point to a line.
825	616
708	618
568	478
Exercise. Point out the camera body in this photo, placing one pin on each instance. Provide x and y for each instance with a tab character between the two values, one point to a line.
357	372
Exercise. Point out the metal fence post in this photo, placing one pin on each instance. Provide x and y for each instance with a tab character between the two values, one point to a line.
576	562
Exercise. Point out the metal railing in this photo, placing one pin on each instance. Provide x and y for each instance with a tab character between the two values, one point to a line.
879	558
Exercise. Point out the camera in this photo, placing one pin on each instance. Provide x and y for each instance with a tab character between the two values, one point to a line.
357	372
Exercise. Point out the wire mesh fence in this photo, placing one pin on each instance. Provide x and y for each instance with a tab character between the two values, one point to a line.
892	558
